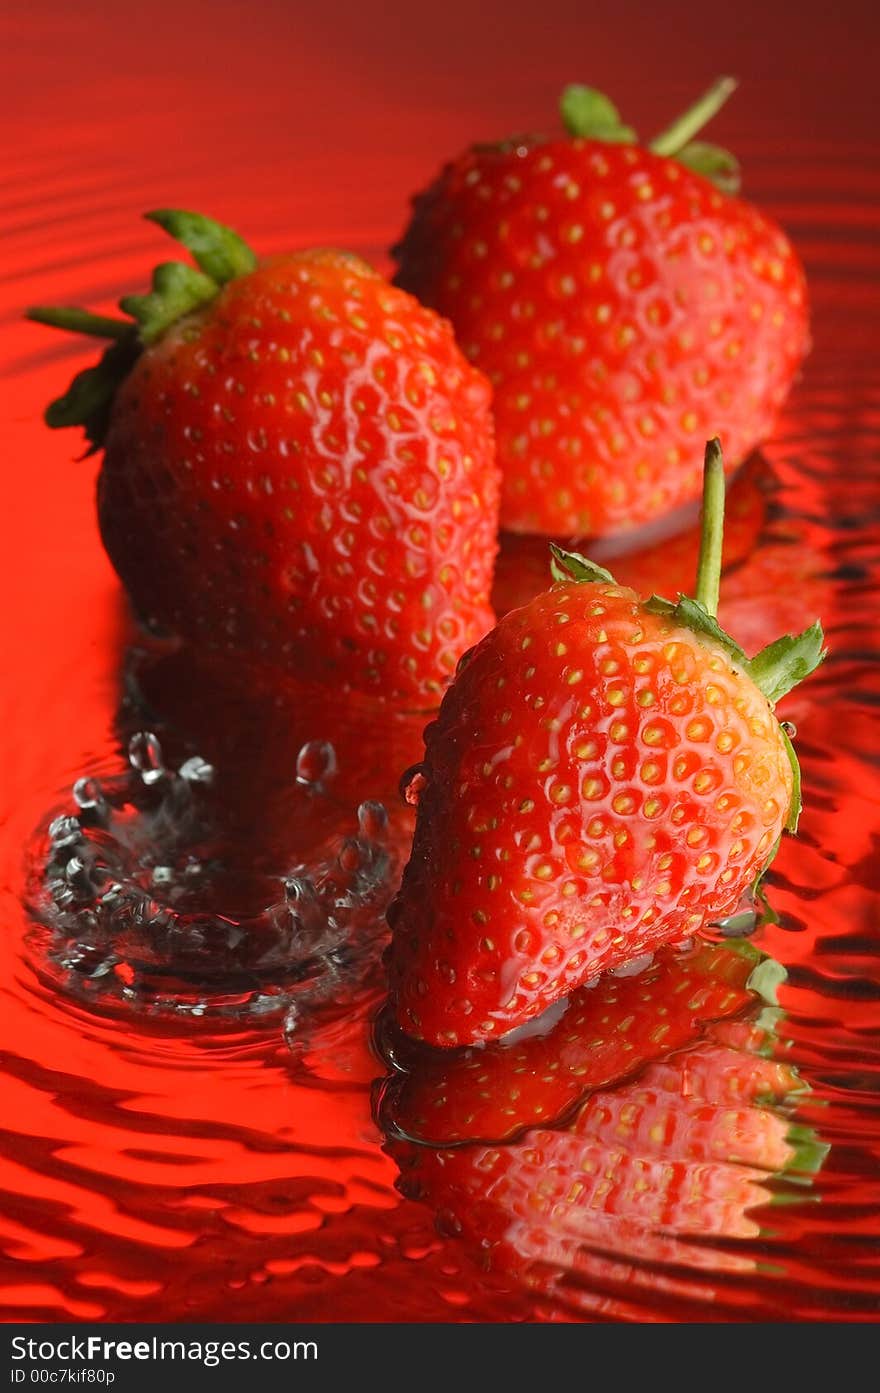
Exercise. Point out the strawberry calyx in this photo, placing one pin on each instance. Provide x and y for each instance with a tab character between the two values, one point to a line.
593	116
776	669
176	290
590	115
808	1151
767	975
807	1159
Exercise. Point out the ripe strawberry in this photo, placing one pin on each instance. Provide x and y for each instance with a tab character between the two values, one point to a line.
623	304
593	1205
605	775
607	1032
298	463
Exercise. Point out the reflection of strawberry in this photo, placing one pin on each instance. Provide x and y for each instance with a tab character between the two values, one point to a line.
623	306
614	1197
298	463
605	1033
636	1175
606	775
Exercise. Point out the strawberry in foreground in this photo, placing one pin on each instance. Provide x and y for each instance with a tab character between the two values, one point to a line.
624	304
298	463
606	1033
610	1202
605	775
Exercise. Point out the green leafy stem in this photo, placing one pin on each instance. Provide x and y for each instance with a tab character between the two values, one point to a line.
592	116
808	1150
176	290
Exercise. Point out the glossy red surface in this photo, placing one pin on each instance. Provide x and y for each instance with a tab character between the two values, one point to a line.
174	1168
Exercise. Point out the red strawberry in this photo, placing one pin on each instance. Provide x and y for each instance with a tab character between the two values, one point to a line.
605	775
606	1033
623	304
298	462
612	1199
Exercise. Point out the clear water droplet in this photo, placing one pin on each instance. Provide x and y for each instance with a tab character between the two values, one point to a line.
412	783
78	877
145	756
790	729
316	762
65	831
298	889
197	770
89	798
350	855
372	819
148	870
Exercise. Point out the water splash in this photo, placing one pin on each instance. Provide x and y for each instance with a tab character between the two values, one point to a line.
134	896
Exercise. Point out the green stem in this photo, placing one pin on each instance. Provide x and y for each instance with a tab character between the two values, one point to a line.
97	326
217	250
686	126
711	530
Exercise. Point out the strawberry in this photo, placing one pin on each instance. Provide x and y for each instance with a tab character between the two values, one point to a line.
622	302
611	1198
298	463
605	775
605	1033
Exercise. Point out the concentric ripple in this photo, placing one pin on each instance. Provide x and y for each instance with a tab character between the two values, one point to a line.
130	892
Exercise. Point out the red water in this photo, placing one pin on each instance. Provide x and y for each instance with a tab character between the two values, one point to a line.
181	1166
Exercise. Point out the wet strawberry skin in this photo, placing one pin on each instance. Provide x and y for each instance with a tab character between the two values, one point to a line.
304	470
624	310
599	781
